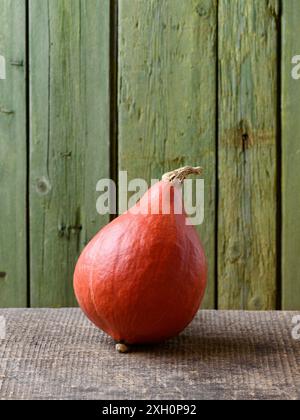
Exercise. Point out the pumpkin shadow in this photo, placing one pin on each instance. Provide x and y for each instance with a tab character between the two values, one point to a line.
203	347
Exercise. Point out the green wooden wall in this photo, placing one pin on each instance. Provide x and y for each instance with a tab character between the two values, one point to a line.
97	86
68	140
13	156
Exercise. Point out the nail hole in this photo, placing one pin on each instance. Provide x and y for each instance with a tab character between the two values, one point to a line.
61	230
2	274
245	141
245	137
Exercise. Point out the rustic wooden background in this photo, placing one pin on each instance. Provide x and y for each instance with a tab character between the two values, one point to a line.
94	86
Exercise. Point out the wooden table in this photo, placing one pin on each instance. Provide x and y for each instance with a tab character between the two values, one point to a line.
59	354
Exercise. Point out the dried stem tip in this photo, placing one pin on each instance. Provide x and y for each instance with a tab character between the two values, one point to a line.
122	348
181	173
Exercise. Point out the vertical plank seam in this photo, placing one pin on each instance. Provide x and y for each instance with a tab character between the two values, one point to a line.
279	161
49	93
113	64
217	159
27	105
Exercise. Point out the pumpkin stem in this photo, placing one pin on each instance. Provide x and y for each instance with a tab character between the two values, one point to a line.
181	173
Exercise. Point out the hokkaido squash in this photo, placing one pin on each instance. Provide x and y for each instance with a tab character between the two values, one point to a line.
141	279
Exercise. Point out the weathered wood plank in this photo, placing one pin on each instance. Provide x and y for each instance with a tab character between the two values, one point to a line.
167	96
13	271
59	354
290	156
247	153
69	86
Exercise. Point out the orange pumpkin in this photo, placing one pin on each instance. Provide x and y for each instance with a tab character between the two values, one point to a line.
142	277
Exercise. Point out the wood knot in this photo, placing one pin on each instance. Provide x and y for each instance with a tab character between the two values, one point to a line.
6	111
43	186
273	11
17	63
66	155
201	10
67	231
256	303
2	274
75	229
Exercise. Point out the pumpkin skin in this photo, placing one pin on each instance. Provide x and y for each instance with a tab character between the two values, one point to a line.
142	278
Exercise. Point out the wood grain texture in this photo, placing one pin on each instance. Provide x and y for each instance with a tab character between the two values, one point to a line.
69	88
167	96
231	355
290	157
247	154
13	138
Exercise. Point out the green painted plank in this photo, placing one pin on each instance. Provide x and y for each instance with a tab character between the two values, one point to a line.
247	154
290	155
13	271
69	90
167	92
